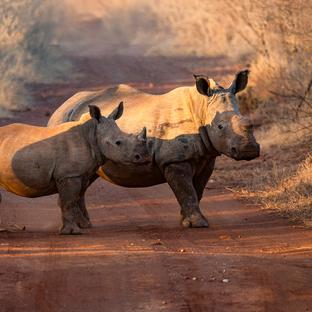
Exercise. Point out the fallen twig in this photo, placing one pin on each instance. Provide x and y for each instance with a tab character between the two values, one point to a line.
13	228
230	189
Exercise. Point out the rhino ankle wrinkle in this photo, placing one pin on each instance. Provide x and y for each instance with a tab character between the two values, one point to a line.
189	127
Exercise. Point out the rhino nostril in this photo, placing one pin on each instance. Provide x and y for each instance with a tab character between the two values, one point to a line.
233	150
137	157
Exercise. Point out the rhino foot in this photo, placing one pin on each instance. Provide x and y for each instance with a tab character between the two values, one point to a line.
70	229
84	223
195	221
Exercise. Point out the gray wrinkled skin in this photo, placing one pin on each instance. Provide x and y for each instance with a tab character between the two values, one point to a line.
188	128
38	161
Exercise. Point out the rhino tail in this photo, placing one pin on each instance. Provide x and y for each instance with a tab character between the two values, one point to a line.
68	116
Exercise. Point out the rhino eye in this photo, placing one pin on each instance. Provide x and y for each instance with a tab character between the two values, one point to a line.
118	142
220	127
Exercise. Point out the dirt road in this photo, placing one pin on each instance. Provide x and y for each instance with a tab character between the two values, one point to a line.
137	258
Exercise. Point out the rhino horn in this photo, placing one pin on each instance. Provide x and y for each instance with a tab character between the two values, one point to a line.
142	135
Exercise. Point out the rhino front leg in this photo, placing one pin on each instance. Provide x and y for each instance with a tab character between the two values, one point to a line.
69	200
180	178
200	180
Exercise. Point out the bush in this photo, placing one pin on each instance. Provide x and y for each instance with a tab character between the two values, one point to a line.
26	51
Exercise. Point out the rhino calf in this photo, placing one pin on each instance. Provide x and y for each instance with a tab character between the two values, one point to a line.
39	161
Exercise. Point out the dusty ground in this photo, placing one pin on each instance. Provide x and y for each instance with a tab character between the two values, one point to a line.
137	258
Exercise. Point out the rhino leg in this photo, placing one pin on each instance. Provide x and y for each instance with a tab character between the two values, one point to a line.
200	180
83	220
69	197
180	179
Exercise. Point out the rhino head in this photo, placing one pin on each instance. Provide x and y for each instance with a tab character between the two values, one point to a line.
228	131
116	145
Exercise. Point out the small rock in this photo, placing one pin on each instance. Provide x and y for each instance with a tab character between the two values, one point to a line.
194	278
157	243
212	279
164	302
225	280
182	250
223	237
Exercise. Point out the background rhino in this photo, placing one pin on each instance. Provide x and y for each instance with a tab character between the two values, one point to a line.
188	128
37	161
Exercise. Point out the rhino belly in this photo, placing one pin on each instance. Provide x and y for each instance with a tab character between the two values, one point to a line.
131	175
14	185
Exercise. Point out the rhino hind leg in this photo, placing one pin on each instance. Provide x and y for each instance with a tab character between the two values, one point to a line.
180	179
69	200
83	219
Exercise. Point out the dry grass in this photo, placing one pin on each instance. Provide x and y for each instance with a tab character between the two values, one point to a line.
275	37
291	195
28	52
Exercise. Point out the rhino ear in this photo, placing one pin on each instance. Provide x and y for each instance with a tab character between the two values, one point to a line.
240	81
117	112
95	112
203	85
142	135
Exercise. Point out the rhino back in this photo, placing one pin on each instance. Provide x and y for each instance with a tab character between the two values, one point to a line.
165	116
73	108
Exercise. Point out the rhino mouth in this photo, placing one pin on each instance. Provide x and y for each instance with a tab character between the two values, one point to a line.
138	160
141	160
249	153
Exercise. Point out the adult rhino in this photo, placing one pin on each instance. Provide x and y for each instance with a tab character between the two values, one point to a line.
38	161
188	128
